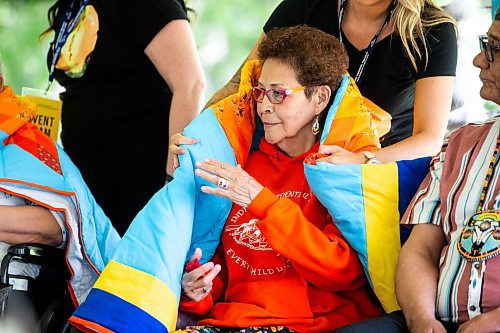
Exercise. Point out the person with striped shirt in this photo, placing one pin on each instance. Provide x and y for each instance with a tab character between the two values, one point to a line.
448	277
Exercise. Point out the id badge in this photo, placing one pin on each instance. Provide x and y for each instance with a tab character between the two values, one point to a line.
48	111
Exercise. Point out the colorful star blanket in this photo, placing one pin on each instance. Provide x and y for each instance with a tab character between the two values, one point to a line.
32	166
140	288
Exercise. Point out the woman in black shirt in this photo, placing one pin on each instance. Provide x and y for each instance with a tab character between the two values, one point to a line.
409	71
132	76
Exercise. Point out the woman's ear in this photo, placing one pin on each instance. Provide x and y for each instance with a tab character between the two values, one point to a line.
323	94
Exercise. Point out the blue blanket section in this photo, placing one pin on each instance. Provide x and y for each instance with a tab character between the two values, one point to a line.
3	136
18	164
110	312
411	174
180	217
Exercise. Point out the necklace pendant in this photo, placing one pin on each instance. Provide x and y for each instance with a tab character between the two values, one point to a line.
480	237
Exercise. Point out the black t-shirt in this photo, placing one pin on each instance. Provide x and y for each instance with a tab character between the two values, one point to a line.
389	77
121	89
115	117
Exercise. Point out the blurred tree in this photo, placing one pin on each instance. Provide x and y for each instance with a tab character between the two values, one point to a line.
225	32
21	51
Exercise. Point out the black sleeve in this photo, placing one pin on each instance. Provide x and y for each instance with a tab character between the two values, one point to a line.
442	47
143	19
287	14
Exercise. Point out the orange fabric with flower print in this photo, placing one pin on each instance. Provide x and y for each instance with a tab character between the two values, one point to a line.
16	113
358	123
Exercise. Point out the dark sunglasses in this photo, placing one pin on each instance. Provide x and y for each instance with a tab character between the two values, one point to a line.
488	48
275	96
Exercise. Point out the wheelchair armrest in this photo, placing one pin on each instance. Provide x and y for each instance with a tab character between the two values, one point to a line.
33	253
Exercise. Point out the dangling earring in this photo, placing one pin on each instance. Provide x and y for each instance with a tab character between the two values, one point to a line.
315	127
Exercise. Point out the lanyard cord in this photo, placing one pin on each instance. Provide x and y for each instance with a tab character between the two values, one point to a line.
361	69
488	176
67	26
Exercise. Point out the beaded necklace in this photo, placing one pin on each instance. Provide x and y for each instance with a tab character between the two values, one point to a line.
488	176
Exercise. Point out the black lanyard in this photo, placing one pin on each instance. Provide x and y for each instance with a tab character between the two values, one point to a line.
369	50
69	22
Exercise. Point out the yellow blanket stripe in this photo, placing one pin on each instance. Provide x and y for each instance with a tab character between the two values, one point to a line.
142	290
382	229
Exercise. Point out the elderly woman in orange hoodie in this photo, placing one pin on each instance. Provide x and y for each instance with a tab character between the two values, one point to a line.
282	264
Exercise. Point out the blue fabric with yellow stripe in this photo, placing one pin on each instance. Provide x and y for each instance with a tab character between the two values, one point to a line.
366	202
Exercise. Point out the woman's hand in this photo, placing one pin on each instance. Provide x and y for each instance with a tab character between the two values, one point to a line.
173	148
337	155
198	283
232	183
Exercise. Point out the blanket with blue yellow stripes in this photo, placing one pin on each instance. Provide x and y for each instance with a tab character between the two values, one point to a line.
139	290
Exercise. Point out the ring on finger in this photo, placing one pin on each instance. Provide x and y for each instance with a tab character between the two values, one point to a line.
222	183
205	290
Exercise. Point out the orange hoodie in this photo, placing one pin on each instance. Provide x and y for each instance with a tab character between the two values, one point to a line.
284	262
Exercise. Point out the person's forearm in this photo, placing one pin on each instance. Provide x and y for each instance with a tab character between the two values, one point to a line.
430	116
416	285
186	105
28	224
418	145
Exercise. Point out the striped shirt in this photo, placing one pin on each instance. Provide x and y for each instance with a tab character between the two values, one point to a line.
448	198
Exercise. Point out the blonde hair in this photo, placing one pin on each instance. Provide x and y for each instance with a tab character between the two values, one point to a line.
412	18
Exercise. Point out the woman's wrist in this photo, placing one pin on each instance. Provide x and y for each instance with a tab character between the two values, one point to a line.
254	189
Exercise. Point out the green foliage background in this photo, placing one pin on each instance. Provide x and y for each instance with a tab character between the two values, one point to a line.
225	32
